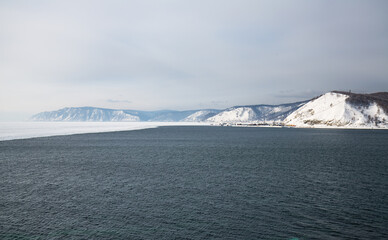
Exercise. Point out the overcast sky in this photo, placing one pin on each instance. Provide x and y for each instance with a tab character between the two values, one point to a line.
165	54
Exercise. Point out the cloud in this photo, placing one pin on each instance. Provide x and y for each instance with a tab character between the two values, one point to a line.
214	103
178	54
303	94
117	101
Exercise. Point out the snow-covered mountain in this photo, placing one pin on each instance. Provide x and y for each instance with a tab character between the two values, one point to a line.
86	114
92	114
333	109
342	109
261	113
239	114
201	115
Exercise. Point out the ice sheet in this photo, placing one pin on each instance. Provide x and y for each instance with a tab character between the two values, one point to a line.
21	130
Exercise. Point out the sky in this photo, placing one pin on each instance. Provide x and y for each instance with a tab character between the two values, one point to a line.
178	54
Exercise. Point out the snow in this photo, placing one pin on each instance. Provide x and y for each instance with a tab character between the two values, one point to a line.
241	114
86	114
332	110
124	117
200	116
279	109
22	130
255	113
195	116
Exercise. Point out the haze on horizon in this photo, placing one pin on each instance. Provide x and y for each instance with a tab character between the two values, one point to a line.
152	55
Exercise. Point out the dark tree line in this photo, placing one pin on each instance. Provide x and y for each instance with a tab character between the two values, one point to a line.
381	98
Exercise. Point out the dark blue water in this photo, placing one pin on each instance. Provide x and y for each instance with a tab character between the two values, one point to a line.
197	183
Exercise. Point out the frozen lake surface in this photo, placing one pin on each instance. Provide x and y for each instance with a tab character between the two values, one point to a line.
22	130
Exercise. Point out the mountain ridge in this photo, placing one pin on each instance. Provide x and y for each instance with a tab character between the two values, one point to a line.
262	111
332	109
381	98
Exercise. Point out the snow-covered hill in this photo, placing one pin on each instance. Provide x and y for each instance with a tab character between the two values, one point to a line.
255	113
86	114
92	114
240	114
341	109
201	115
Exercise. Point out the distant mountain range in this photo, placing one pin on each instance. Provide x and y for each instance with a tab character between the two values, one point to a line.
333	109
230	115
94	114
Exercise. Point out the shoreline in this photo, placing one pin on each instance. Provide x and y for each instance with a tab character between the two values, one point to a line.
26	130
314	127
250	125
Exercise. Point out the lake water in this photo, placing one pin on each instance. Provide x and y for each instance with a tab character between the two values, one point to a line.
197	183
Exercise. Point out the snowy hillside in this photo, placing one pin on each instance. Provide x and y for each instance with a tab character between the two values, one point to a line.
92	114
340	109
86	114
240	114
261	113
201	115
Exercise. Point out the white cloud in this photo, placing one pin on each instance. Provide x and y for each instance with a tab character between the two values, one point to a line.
178	54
